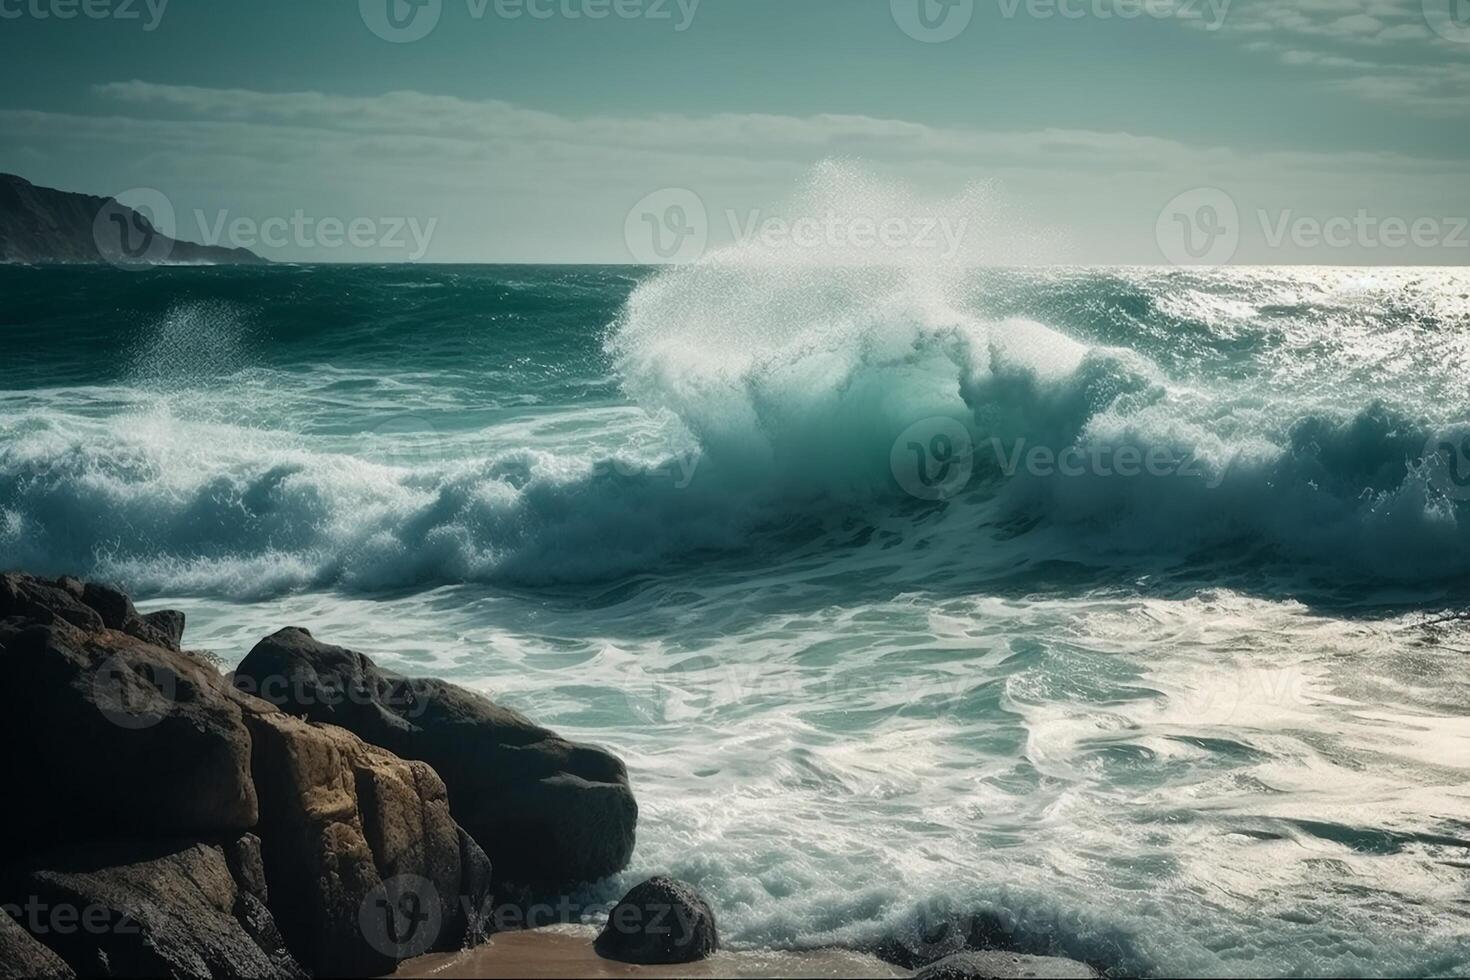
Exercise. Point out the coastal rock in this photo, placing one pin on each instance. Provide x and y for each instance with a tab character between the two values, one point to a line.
113	737
147	909
252	907
34	600
475	887
165	628
992	965
144	770
550	813
86	605
658	922
24	958
363	858
168	625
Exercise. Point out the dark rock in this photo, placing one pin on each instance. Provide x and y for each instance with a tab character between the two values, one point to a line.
659	921
252	906
165	628
169	624
550	813
34	600
992	965
246	866
88	606
476	906
25	958
363	859
127	750
114	606
145	910
941	932
110	737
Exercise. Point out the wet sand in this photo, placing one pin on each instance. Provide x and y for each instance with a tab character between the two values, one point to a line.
566	951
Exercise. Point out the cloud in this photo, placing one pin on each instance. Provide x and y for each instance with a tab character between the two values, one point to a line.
405	123
1380	51
512	183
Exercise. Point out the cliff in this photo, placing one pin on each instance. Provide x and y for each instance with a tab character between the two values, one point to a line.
41	225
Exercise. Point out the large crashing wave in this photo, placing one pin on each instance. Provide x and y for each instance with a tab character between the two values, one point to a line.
796	383
801	382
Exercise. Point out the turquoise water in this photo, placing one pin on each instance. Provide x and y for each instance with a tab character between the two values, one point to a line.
774	532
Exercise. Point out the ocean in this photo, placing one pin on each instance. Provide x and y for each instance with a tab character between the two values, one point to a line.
1099	602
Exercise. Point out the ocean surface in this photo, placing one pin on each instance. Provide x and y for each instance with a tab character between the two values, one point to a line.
1097	600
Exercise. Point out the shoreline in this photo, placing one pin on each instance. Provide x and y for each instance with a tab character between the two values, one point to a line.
310	813
566	951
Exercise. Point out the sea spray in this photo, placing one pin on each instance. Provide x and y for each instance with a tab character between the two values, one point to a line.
1166	724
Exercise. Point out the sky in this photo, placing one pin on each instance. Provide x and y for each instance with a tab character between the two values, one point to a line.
1076	131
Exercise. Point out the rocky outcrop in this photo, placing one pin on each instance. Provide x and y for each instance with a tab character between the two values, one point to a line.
207	832
44	225
550	813
88	606
991	965
660	921
146	909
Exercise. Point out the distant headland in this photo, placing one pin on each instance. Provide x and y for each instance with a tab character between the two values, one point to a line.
42	225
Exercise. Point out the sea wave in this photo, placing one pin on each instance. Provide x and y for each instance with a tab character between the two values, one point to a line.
794	395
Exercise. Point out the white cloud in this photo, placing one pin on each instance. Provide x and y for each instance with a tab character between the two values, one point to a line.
507	182
1380	51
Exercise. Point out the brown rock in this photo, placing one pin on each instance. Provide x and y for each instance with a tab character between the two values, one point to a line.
550	813
362	856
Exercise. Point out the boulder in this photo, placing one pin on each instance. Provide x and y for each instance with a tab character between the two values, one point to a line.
993	965
661	921
364	862
146	909
24	958
112	737
550	813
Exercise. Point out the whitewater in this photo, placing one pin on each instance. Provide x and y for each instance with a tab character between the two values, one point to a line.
782	533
